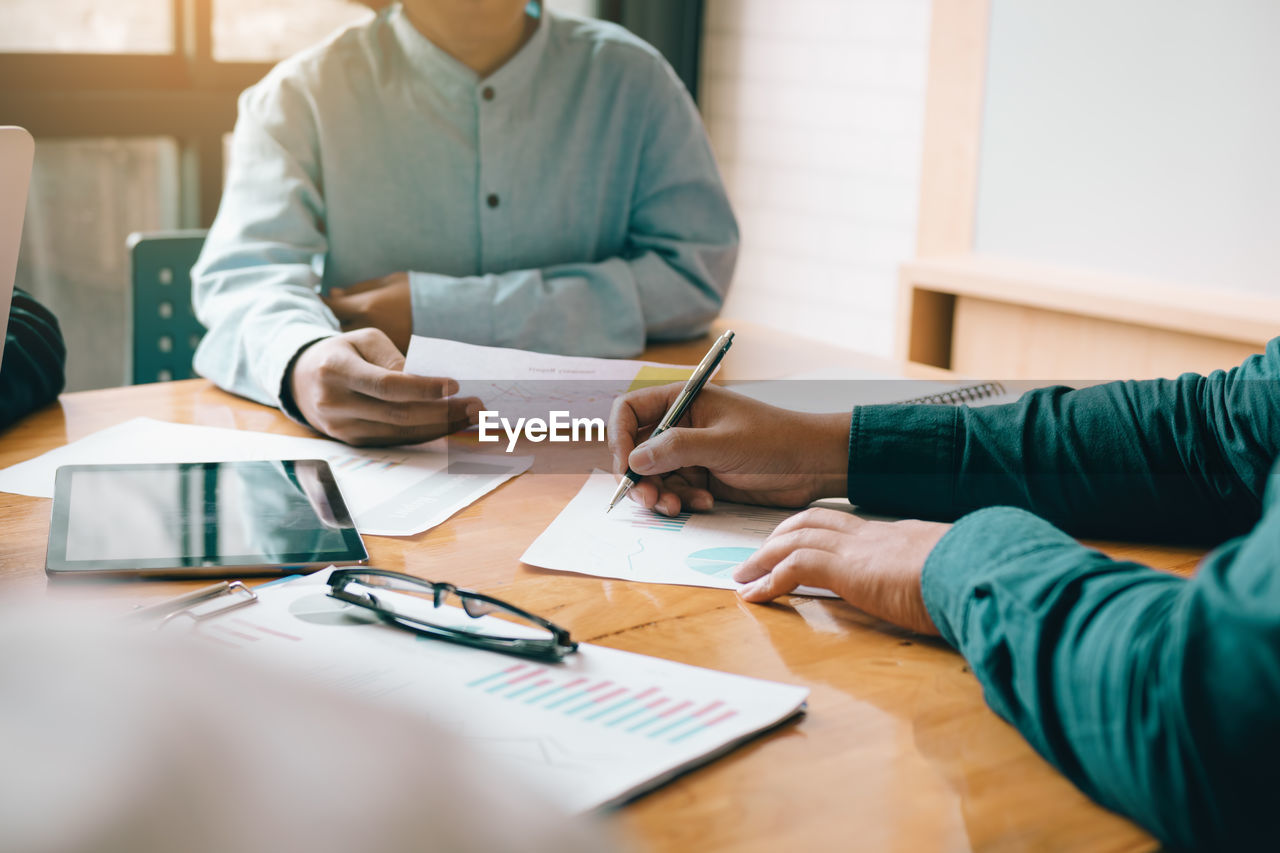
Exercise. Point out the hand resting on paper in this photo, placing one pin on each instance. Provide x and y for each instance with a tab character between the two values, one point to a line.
735	448
874	565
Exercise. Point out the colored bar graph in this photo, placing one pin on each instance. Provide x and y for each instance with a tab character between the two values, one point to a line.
604	697
674	709
644	712
625	702
683	720
649	520
575	696
516	679
636	712
533	685
702	728
566	686
497	674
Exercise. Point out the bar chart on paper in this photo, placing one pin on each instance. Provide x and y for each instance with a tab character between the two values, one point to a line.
633	543
643	711
643	519
594	729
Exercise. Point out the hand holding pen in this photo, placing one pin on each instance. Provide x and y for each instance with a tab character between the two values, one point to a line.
724	446
680	406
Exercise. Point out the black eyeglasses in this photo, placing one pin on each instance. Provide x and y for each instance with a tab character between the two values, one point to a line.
415	604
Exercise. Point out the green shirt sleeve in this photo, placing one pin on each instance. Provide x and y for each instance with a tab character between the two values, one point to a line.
1182	459
1158	696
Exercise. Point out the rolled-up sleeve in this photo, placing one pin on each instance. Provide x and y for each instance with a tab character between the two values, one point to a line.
1181	459
254	287
1158	696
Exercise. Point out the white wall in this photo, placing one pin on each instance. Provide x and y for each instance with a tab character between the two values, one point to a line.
815	109
586	8
1140	137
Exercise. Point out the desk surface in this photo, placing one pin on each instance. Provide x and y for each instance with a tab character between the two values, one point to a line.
897	752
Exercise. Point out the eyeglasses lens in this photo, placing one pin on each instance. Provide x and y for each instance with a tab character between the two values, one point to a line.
416	603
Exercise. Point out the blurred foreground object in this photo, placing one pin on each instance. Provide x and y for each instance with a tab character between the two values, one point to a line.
157	742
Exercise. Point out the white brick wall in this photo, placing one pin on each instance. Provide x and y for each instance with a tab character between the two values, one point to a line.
586	8
815	109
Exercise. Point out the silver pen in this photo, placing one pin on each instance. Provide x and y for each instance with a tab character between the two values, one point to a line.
681	405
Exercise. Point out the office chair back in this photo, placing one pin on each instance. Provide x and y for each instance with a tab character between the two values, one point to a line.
165	328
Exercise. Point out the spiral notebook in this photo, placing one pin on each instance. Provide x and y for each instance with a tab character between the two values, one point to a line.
839	390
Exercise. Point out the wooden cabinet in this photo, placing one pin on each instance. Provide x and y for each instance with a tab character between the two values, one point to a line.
997	318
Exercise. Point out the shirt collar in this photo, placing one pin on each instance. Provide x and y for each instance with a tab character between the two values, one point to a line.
449	74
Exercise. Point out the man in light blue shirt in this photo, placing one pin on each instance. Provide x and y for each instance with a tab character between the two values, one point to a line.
463	170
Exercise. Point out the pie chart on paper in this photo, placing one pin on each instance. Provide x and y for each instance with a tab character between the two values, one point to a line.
719	562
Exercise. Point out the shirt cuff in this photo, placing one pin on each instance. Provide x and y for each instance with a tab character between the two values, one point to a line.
276	365
971	555
903	460
460	309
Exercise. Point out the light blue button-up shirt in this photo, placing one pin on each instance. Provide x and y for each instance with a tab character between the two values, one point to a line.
567	203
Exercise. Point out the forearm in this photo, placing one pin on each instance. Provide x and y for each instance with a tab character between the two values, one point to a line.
253	287
1133	460
257	323
1154	694
602	309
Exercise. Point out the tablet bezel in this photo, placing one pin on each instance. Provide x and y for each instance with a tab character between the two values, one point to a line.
241	565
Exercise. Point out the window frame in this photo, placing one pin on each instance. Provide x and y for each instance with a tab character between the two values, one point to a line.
185	95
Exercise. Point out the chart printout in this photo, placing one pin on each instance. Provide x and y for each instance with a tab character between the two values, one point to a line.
593	730
633	543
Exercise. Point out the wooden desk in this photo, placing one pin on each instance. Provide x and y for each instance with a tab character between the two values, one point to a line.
898	750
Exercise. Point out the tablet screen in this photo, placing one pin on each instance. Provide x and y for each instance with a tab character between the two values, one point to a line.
198	518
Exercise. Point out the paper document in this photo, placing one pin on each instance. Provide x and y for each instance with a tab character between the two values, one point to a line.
633	543
390	491
593	730
529	384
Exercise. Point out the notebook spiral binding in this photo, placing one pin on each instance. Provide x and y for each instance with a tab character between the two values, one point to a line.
958	396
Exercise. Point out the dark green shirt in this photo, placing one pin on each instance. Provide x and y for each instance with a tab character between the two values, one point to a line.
1159	696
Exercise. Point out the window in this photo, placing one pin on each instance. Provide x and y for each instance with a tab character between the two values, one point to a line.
129	109
87	195
87	26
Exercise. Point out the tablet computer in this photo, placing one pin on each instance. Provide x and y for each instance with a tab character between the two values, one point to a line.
199	519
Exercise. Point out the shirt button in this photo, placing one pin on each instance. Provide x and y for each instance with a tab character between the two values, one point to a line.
493	199
487	93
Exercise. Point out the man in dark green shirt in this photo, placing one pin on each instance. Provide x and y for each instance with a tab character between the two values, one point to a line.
1159	696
